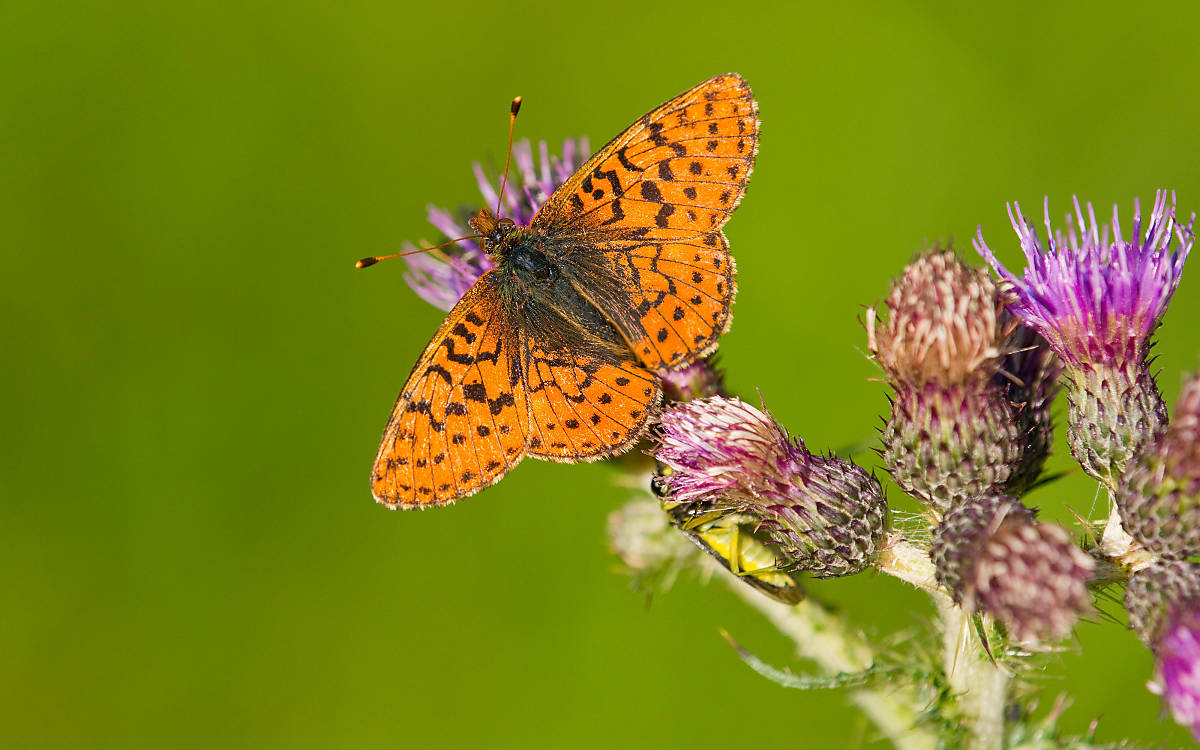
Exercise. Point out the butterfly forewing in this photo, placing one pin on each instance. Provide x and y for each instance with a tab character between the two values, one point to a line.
460	422
654	201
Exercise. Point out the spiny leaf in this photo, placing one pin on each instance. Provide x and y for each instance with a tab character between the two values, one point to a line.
808	681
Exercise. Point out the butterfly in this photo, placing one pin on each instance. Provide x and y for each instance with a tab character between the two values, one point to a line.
624	272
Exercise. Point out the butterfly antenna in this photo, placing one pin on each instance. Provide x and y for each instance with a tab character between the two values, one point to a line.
513	109
376	258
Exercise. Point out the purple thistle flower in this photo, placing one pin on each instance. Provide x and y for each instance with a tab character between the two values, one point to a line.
1096	297
442	277
824	515
700	379
1177	674
714	444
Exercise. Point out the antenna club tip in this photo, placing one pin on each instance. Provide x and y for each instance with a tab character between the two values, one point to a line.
366	262
516	106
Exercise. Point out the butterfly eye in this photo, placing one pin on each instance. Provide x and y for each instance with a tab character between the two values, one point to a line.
504	226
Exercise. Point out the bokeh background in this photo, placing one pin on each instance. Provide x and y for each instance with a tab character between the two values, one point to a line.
196	377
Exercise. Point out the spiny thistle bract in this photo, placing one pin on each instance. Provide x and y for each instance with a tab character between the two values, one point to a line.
992	555
824	515
1029	377
1097	299
1159	497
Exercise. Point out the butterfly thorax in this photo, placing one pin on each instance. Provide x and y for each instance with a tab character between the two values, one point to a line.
518	250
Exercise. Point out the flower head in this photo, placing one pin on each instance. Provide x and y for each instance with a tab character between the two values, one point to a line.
992	554
1159	497
1164	610
944	323
1095	296
824	515
442	277
1157	590
953	432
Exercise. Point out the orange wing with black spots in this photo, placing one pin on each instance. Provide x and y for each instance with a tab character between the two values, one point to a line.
461	420
582	408
653	201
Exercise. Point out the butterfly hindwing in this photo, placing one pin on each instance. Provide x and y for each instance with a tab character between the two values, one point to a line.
460	421
653	202
582	409
687	289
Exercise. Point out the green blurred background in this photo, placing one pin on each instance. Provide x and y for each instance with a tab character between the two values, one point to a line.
197	377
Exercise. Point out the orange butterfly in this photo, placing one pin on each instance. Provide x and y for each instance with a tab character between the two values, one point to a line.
552	353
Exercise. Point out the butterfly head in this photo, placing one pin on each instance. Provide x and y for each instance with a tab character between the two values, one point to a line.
492	231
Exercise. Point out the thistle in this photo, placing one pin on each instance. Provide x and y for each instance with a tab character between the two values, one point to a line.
700	379
1159	497
992	555
1097	299
820	514
1029	377
953	432
1164	610
442	277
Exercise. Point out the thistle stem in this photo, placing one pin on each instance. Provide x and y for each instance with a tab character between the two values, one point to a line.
980	684
909	563
825	639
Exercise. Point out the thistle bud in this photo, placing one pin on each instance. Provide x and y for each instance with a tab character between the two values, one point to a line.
1097	299
992	555
700	379
952	433
1164	610
821	514
1159	497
